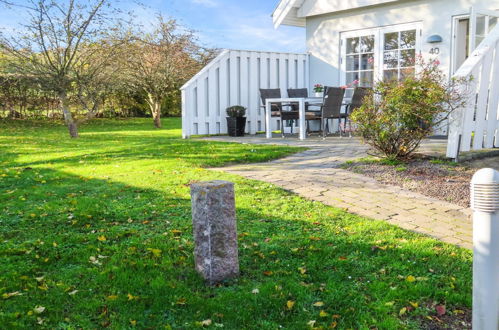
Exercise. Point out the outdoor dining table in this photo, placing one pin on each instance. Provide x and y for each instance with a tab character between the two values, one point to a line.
302	101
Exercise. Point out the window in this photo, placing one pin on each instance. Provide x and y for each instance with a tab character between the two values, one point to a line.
379	54
360	60
399	54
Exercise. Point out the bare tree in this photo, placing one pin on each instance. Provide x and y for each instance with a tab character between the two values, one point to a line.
159	62
50	46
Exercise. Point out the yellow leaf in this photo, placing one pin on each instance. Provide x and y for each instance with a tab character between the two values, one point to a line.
414	304
102	238
290	304
333	325
319	304
133	322
155	252
181	301
410	279
302	270
11	294
54	244
403	311
132	297
112	297
323	314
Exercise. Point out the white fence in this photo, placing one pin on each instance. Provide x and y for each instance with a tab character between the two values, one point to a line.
476	125
234	78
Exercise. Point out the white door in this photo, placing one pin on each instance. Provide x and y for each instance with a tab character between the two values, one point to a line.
378	54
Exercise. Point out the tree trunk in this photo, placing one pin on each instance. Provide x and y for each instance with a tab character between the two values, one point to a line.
155	106
68	117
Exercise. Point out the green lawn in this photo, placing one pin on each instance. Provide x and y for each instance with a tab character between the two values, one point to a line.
96	232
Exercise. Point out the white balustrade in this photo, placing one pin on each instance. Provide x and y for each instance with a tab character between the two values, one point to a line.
234	78
475	126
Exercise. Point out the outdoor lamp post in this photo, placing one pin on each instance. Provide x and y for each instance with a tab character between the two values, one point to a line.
485	205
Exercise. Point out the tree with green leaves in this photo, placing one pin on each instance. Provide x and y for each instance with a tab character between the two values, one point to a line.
54	46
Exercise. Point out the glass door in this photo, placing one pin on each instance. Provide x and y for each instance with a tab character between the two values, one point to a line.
359	62
399	54
378	54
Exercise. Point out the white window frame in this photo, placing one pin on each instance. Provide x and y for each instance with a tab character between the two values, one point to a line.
378	33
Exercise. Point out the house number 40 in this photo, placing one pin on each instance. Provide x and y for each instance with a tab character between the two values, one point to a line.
435	51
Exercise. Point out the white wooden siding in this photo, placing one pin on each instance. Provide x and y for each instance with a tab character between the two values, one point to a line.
234	78
476	125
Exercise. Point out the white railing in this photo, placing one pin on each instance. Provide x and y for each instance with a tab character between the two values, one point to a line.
475	126
234	78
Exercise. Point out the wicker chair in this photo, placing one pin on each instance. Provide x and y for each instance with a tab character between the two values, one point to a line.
278	108
331	107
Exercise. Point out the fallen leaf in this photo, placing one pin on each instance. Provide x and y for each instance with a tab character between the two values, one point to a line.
312	323
440	310
102	238
72	293
112	297
268	273
290	304
206	323
333	325
323	314
414	304
403	311
39	309
11	294
302	270
255	291
319	304
410	279
133	322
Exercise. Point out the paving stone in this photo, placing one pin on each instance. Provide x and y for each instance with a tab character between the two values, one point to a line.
315	174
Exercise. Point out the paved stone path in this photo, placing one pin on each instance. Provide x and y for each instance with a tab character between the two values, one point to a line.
315	174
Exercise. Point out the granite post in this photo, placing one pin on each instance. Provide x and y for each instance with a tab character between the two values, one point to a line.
215	231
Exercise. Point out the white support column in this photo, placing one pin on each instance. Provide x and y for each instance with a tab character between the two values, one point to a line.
485	204
303	131
268	118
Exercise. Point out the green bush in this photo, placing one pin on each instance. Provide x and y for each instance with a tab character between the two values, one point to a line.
398	115
236	111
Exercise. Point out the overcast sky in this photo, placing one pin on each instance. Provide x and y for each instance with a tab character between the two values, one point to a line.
236	24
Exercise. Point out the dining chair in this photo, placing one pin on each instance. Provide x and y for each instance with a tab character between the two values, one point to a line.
359	94
331	107
310	112
277	109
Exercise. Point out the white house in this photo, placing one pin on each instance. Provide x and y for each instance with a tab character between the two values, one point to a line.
365	40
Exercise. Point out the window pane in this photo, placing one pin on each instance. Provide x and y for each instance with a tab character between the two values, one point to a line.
351	77
408	39
389	75
408	72
492	23
352	45
366	79
391	41
367	62
352	63
367	44
390	59
407	57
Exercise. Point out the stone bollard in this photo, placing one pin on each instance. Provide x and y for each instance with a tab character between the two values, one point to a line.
215	231
485	205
